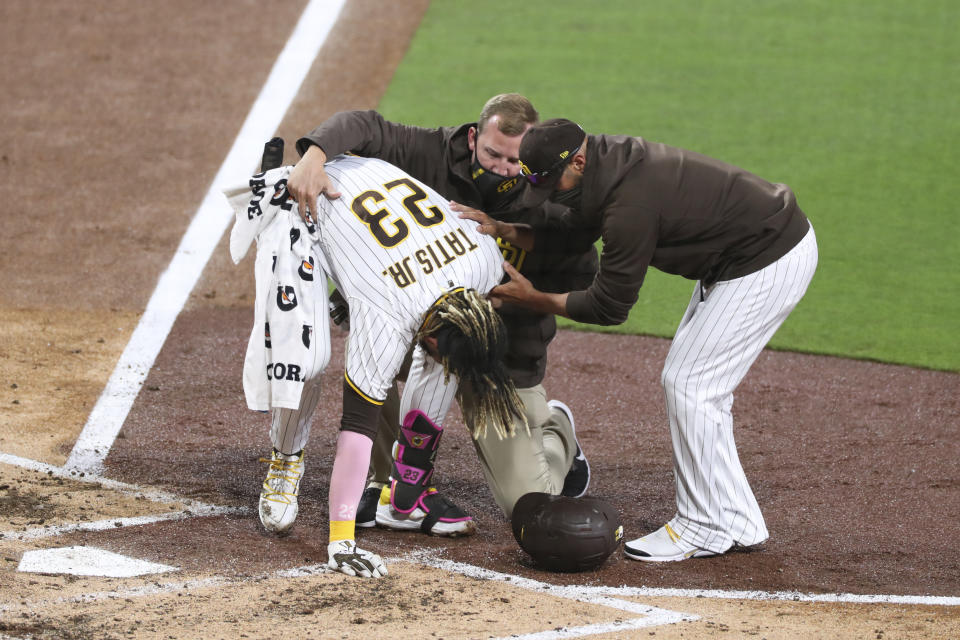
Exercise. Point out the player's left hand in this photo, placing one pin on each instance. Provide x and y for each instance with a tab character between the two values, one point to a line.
346	557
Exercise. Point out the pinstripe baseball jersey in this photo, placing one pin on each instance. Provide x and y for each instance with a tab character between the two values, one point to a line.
394	247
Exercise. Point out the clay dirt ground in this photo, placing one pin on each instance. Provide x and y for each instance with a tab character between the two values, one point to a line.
115	121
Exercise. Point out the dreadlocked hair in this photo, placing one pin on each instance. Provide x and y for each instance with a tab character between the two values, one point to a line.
472	342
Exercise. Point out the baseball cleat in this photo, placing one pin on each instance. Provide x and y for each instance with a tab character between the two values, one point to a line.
578	477
278	495
409	502
433	514
663	545
367	511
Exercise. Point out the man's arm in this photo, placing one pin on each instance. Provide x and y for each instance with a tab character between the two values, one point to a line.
630	235
363	132
367	134
521	292
341	132
519	235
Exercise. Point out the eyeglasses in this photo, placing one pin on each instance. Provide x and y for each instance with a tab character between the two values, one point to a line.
542	177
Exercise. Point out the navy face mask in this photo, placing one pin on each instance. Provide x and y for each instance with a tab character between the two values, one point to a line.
496	191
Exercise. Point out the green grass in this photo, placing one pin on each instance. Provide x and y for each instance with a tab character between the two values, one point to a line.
855	104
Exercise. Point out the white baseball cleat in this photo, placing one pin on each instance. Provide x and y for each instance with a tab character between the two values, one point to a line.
663	545
433	514
278	495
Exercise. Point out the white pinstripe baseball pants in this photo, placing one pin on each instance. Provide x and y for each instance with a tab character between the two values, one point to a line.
722	332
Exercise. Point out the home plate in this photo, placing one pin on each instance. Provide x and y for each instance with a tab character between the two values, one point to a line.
87	561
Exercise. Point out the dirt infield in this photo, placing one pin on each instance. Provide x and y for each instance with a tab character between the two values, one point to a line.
112	136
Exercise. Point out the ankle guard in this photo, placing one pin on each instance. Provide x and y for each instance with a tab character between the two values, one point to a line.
413	455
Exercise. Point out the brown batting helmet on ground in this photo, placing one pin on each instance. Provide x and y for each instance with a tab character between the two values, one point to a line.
566	534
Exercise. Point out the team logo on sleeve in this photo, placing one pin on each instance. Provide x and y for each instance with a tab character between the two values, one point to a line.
306	269
286	298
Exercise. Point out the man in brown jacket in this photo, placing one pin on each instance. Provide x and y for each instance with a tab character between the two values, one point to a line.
475	164
744	240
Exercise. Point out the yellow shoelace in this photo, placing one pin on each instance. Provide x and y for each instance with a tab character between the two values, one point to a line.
286	471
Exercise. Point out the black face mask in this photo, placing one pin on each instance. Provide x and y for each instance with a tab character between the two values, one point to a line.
568	198
496	191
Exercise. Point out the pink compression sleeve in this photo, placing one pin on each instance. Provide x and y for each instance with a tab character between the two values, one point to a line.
349	475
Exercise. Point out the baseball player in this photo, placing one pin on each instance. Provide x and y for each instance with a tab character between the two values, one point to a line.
476	164
744	240
414	276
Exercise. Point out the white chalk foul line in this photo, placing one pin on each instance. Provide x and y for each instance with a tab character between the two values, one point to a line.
154	495
114	523
790	596
428	558
652	616
201	238
192	508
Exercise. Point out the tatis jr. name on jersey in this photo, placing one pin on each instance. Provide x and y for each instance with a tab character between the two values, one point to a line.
434	255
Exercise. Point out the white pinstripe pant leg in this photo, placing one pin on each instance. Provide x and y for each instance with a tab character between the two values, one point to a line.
425	388
427	393
717	341
290	428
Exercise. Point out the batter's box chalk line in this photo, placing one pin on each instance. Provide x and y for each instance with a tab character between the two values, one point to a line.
192	508
651	616
431	558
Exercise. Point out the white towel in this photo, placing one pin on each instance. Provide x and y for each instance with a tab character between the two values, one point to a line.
290	340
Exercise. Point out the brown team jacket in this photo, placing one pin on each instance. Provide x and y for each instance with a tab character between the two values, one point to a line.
676	210
441	159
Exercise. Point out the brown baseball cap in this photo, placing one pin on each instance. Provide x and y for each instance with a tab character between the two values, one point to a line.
544	152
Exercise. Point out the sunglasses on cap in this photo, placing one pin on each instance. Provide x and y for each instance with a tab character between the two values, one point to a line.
537	178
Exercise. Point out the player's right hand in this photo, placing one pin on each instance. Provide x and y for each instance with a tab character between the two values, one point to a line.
308	180
346	557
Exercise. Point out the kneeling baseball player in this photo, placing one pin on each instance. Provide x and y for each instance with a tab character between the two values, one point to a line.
414	276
